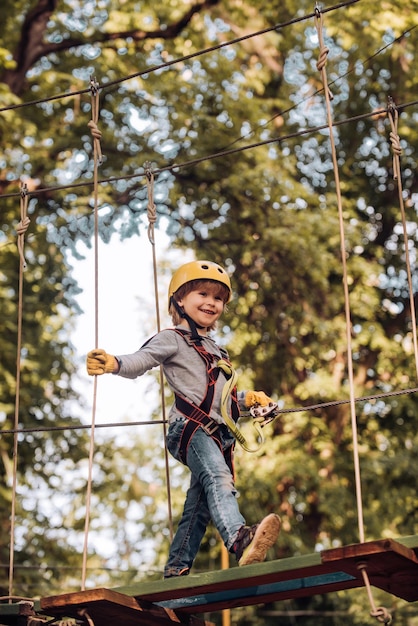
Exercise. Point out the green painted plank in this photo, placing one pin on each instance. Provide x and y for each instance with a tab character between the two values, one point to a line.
235	577
411	541
18	608
257	594
292	567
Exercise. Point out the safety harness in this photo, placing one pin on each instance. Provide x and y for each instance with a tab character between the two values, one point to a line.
198	416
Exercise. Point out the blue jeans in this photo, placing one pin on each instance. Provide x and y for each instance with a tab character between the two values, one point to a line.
211	495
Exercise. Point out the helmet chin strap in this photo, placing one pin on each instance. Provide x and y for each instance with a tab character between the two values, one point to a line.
193	326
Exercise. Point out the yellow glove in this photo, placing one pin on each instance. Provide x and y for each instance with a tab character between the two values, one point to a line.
257	397
99	362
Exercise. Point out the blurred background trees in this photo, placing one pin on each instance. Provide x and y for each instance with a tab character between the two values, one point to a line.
265	206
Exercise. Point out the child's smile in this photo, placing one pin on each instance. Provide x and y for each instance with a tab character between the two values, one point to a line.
203	306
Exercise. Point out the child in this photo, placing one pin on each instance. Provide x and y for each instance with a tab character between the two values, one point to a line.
197	435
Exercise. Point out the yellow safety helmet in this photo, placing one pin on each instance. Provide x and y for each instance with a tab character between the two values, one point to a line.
198	270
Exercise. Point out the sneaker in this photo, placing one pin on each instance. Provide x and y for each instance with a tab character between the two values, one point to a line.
253	542
172	573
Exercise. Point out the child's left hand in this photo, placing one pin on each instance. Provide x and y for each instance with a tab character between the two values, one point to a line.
257	397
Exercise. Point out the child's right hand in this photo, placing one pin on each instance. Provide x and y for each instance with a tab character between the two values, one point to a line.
99	362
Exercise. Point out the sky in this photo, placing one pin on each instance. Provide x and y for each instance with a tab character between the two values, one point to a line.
126	319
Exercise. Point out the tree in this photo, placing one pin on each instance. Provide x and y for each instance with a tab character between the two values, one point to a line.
268	199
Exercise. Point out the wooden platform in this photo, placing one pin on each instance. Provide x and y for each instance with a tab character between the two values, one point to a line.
391	565
105	606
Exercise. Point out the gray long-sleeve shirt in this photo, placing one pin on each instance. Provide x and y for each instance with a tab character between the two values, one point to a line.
183	367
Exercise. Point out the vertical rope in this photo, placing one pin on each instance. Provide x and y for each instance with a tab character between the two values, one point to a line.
97	159
381	613
20	230
22	227
152	218
397	176
322	67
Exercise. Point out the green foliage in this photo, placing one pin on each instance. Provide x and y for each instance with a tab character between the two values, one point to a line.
267	208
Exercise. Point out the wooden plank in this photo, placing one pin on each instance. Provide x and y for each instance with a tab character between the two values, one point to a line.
17	612
254	584
273	591
105	606
390	565
411	541
235	577
393	568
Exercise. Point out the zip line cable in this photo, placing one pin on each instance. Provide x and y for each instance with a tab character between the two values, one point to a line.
182	59
217	155
320	90
298	409
225	150
393	113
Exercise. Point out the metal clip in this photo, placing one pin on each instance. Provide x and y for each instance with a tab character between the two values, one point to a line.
264	414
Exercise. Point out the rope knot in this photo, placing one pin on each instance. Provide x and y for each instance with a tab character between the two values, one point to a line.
323	51
23	225
152	217
396	143
97	135
394	137
151	208
322	60
382	615
95	131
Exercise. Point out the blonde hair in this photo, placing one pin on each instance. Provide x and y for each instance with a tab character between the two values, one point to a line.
217	288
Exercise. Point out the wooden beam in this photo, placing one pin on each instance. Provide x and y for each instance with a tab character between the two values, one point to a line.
105	607
391	566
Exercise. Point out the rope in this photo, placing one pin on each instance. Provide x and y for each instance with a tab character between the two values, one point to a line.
351	69
380	613
397	151
22	227
83	613
97	159
152	218
96	133
151	208
298	409
322	66
182	59
217	155
21	230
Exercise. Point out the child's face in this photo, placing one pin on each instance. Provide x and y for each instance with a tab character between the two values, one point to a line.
204	305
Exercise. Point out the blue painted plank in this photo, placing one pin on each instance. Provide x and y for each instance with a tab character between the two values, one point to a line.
311	583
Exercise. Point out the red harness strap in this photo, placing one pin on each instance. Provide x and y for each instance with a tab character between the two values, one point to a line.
198	416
